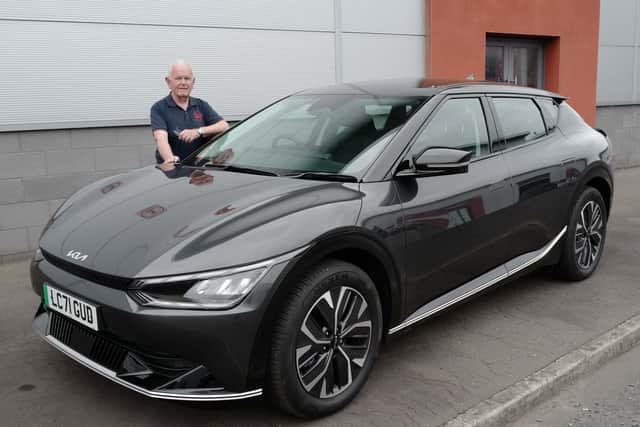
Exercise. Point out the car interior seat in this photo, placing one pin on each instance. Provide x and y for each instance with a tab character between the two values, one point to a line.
361	134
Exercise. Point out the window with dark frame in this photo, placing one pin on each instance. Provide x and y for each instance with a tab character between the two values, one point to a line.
515	60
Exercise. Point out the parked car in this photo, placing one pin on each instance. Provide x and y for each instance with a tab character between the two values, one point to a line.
278	258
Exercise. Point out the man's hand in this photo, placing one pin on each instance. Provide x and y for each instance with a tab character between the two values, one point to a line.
162	144
167	167
189	135
171	160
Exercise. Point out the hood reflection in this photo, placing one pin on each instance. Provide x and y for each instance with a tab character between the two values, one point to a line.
196	177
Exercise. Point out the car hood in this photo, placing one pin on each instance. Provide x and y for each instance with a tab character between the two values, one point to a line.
149	223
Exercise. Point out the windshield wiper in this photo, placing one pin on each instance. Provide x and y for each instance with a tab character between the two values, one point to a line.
232	168
324	176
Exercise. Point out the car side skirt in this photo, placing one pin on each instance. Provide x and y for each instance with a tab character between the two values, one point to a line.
479	284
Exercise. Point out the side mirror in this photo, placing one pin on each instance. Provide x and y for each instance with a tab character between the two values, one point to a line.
438	161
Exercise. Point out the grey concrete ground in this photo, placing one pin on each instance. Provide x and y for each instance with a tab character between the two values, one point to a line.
425	377
524	395
609	397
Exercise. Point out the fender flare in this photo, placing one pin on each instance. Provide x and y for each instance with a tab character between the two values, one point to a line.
330	245
597	170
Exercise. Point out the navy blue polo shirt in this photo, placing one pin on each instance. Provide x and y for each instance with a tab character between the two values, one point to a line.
167	115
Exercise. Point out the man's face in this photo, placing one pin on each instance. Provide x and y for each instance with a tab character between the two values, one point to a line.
181	80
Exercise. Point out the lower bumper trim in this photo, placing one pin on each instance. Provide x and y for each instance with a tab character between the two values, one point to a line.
201	395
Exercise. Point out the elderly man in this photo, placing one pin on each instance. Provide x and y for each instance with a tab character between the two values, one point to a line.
181	123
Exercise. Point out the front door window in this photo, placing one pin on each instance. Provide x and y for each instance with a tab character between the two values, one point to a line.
458	124
517	61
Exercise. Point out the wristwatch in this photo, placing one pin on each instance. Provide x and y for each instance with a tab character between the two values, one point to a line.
201	131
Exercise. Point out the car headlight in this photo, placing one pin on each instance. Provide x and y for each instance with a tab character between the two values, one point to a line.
204	291
213	290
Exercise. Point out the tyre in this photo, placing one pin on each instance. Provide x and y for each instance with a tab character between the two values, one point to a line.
585	238
325	341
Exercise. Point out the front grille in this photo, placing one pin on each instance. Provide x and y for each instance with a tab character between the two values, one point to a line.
108	353
85	273
86	342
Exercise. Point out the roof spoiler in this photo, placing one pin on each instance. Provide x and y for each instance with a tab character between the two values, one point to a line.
558	98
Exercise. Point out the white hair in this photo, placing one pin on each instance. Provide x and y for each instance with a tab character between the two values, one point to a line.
177	63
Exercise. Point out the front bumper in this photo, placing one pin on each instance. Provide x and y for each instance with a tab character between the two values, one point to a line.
177	388
201	355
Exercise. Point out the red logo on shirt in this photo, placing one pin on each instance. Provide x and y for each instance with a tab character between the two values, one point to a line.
197	115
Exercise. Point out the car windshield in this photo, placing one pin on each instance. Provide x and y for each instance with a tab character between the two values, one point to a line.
327	134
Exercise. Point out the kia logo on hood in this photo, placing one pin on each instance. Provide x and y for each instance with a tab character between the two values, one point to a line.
78	256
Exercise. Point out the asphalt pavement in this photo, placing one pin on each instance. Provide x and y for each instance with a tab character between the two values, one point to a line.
424	377
610	397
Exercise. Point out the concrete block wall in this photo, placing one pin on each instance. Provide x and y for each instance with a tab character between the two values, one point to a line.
622	124
40	169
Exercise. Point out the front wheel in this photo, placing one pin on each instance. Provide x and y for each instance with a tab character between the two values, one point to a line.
325	341
585	238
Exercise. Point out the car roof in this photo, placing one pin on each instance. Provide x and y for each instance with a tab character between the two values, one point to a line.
427	87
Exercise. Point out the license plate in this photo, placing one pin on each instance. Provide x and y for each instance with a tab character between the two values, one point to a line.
70	306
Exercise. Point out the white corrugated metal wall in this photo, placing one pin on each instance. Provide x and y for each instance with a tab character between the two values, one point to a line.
85	63
619	53
618	90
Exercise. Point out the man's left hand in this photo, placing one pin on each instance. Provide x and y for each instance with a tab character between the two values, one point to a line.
189	135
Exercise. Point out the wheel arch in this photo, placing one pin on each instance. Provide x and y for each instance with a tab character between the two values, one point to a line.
352	245
599	177
604	188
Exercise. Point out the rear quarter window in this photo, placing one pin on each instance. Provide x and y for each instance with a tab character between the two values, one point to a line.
550	109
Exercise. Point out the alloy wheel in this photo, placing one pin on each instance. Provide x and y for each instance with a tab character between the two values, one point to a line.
333	342
589	232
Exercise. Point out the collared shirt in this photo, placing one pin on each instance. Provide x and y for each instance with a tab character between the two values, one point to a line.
167	115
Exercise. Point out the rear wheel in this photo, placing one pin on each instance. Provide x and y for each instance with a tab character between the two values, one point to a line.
585	238
325	341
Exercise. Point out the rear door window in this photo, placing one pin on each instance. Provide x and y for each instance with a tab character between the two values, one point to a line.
520	120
